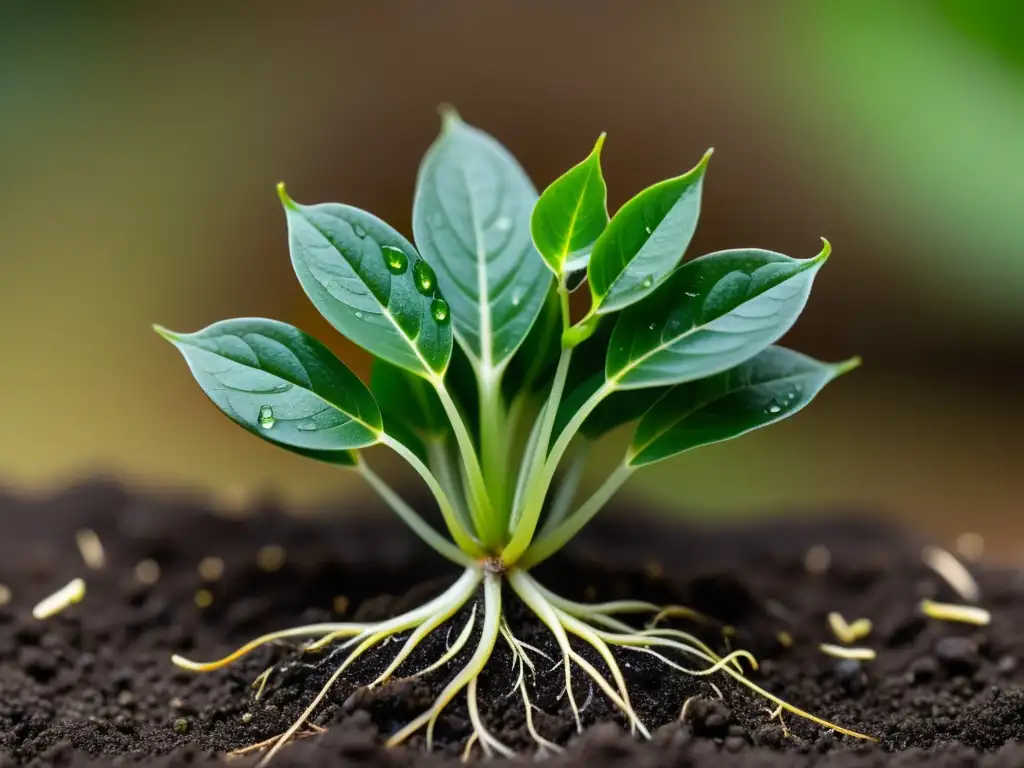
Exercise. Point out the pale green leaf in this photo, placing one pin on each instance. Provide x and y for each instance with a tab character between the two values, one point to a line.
471	220
370	284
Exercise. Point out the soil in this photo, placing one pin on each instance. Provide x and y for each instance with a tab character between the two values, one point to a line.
94	685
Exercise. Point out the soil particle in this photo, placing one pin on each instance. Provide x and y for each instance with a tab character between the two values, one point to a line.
94	686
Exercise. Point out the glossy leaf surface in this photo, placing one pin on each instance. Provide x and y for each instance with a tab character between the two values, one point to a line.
471	220
571	214
644	241
711	314
282	385
368	281
767	388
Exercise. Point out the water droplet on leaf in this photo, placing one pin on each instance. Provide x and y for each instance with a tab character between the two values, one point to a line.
648	281
691	294
395	259
648	230
516	298
359	230
266	417
424	278
504	224
774	408
439	309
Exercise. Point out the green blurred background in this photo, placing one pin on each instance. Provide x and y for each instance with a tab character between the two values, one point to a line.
140	144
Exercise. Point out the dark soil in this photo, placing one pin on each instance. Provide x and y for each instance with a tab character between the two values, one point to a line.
95	684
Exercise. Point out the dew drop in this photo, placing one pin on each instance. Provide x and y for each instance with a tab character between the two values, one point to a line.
424	278
648	230
359	229
359	315
266	417
395	259
439	309
691	294
504	224
648	281
517	298
774	408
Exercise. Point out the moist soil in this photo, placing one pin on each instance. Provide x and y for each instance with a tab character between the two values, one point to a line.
95	685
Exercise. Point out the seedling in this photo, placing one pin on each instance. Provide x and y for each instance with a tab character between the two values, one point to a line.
486	386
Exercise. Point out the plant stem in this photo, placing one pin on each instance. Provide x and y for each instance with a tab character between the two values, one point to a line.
547	545
538	488
461	536
535	494
493	445
480	508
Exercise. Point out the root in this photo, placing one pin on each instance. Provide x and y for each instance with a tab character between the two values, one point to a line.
479	659
597	626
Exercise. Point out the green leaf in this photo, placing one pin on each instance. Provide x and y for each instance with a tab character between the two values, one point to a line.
644	241
282	385
471	219
408	399
570	215
711	314
765	389
370	284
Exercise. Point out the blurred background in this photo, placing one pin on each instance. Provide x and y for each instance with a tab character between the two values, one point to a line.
140	144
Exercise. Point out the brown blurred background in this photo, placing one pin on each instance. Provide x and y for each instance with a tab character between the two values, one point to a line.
140	144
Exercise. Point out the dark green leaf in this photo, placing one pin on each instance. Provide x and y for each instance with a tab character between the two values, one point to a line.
282	385
765	389
471	219
711	314
644	241
409	399
571	214
368	281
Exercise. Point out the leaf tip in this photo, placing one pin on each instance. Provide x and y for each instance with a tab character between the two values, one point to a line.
848	365
165	333
282	193
599	144
449	116
826	251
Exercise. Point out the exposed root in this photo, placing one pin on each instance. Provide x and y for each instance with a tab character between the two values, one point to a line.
596	626
479	659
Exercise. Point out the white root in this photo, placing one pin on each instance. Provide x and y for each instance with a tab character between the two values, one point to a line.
479	659
595	625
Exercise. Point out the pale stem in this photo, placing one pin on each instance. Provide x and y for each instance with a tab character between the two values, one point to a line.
480	503
547	545
420	527
461	536
493	444
538	487
529	515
